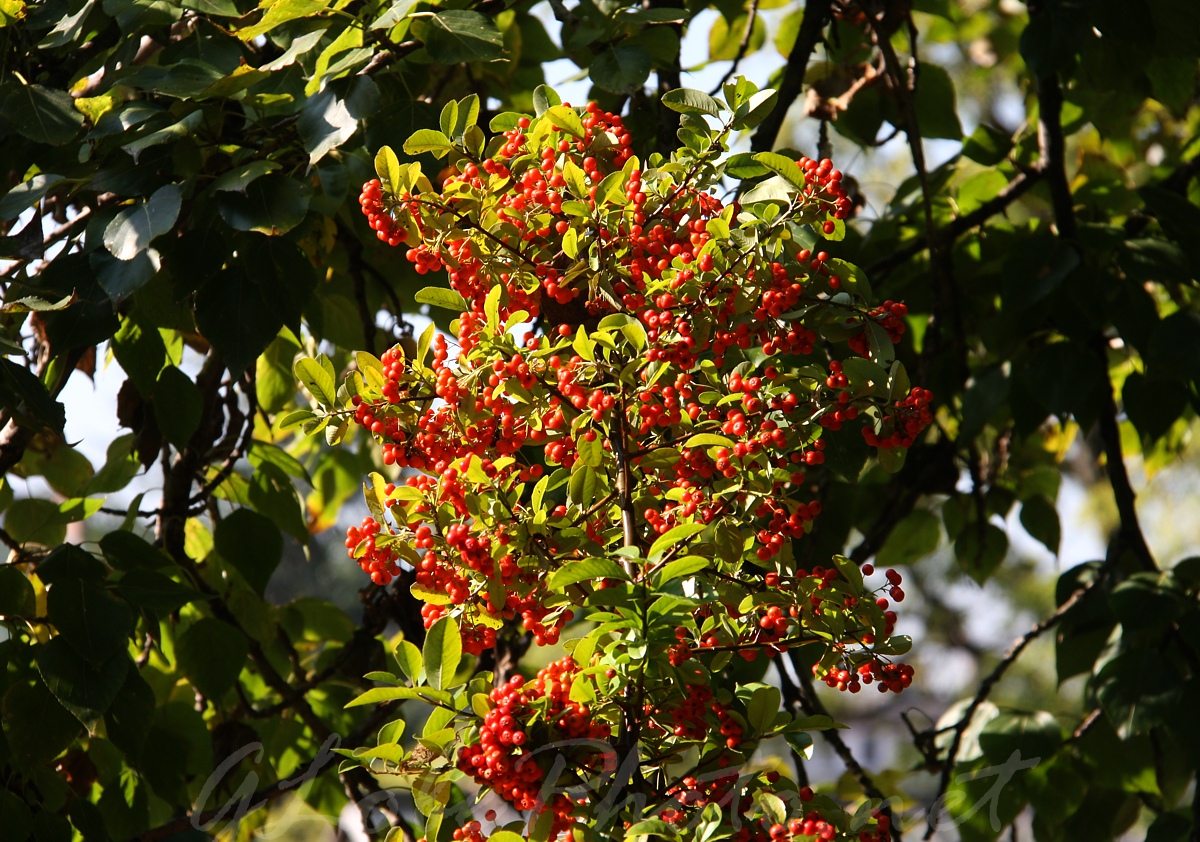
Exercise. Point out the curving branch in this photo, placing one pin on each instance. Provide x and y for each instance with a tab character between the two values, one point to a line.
989	682
816	15
804	699
743	46
1052	147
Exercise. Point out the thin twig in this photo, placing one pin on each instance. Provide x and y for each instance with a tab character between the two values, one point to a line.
816	15
985	688
743	45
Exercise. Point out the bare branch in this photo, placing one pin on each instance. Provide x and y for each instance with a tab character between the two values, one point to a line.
743	45
816	15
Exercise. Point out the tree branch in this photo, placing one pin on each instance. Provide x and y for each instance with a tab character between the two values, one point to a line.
816	15
743	45
985	688
808	701
947	234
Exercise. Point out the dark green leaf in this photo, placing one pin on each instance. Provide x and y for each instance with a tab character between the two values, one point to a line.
91	619
622	68
24	395
273	204
1175	348
141	353
68	562
1040	519
126	551
211	653
251	544
980	548
234	316
588	569
26	194
178	406
154	591
915	536
936	104
86	690
453	36
42	114
987	146
1034	735
130	715
16	593
1136	689
38	728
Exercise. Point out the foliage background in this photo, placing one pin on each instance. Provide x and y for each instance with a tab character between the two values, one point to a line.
179	222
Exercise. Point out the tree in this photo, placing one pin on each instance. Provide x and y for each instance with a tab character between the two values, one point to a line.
179	191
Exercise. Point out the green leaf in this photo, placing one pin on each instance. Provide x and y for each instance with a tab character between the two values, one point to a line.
273	204
675	536
783	166
239	178
92	620
914	537
682	567
379	695
428	140
621	69
317	380
980	549
126	551
447	299
442	653
1033	735
756	109
154	591
691	101
987	146
69	562
408	656
454	36
233	314
178	406
251	544
131	230
141	352
41	114
36	726
387	167
1040	519
17	598
708	440
84	689
585	570
211	654
761	710
25	396
129	716
282	12
27	194
935	103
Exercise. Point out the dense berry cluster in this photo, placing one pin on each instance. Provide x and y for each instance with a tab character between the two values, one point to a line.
524	716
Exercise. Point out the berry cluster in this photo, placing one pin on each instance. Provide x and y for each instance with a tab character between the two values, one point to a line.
532	714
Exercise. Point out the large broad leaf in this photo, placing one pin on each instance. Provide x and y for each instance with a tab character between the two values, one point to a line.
92	620
251	544
455	36
283	272
154	591
233	315
442	653
132	229
122	278
86	690
130	715
178	406
622	68
915	536
26	195
1137	689
38	728
325	124
25	396
42	114
936	104
211	653
17	598
282	12
126	551
273	204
